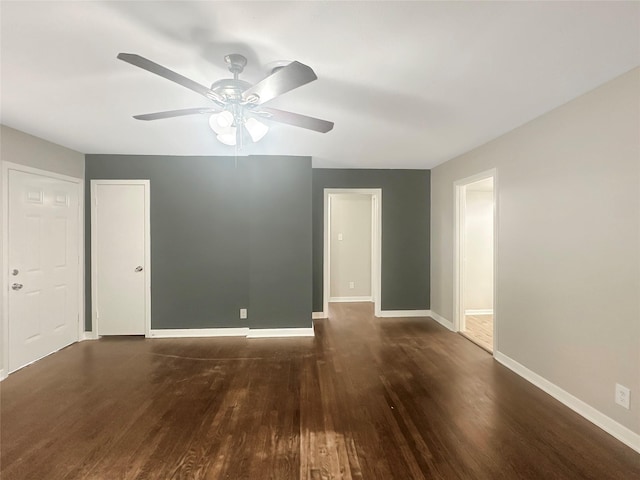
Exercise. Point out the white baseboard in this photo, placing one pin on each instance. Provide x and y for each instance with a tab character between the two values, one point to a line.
442	321
318	315
88	336
350	299
3	374
596	417
280	332
231	332
479	311
198	332
403	313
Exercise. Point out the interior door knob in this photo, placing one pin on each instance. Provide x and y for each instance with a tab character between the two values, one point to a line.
139	268
17	286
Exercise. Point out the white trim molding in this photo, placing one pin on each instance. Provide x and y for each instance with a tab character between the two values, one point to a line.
231	332
613	428
318	315
459	194
403	313
198	332
479	311
280	332
448	324
350	299
3	374
89	336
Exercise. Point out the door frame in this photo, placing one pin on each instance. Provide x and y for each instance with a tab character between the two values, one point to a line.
459	190
147	255
376	244
79	182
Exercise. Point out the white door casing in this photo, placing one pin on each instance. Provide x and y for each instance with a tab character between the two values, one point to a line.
43	262
459	191
120	257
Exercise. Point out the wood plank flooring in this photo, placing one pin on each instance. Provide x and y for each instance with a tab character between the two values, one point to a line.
479	329
367	398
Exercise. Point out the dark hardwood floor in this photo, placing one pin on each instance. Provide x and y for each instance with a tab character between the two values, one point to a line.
366	398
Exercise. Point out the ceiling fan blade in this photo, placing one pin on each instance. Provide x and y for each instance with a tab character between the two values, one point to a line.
287	78
295	119
164	72
175	113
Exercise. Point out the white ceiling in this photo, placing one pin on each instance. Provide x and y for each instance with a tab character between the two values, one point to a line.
408	85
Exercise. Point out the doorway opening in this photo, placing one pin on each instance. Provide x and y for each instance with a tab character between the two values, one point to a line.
352	238
475	259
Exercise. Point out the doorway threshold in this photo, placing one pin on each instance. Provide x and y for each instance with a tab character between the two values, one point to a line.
477	342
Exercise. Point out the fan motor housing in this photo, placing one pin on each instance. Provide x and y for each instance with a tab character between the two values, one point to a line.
230	88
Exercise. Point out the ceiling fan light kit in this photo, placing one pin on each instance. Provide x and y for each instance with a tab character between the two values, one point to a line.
228	138
220	121
237	104
256	129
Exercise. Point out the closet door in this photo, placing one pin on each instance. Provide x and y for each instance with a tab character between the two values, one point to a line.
120	256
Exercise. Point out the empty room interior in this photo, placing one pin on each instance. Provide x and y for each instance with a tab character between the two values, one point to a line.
320	240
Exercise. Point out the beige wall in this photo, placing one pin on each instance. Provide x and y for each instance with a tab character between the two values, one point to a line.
568	255
478	247
350	256
24	149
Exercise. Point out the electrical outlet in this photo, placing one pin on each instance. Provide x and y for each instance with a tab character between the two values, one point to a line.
622	396
243	313
352	284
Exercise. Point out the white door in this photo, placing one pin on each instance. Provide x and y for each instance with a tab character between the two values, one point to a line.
43	249
120	256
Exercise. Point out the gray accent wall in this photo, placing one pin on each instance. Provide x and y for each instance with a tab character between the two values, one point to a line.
405	232
279	242
226	234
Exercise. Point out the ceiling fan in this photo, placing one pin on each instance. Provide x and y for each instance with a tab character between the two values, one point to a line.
238	105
